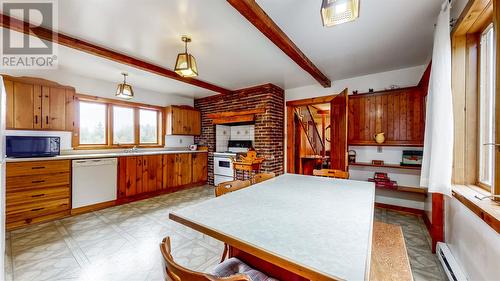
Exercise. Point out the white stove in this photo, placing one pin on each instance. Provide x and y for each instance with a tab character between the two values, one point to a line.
223	166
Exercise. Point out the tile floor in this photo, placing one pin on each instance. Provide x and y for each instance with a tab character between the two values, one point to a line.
121	243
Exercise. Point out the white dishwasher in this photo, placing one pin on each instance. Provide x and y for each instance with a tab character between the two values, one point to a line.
94	181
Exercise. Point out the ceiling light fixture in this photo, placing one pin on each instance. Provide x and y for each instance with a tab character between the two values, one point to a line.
185	65
124	90
334	12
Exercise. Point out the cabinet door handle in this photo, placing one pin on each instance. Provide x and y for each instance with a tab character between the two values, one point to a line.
37	209
47	119
38	168
38	195
36	119
38	181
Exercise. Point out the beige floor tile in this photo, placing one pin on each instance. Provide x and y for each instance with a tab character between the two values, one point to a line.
122	243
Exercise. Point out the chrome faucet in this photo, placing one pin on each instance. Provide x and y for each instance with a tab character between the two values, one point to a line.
132	150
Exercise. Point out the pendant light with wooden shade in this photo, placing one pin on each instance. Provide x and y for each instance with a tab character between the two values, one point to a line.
124	90
334	12
185	65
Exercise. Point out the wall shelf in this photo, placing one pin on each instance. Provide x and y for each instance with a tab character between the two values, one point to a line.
392	166
410	189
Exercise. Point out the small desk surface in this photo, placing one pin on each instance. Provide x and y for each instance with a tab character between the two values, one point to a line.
319	228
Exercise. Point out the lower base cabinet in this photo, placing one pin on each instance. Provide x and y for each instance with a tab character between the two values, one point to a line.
160	173
37	191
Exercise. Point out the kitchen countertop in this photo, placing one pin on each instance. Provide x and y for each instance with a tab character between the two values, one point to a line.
73	156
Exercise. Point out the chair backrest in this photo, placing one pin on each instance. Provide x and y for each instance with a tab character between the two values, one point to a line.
175	272
230	186
262	177
338	174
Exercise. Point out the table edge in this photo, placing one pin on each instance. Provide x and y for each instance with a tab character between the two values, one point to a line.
277	260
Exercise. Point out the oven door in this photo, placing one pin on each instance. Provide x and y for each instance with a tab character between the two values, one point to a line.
223	166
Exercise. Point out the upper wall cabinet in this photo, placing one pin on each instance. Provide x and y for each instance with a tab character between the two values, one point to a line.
399	114
37	104
183	120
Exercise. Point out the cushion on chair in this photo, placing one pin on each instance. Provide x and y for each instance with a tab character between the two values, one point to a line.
234	266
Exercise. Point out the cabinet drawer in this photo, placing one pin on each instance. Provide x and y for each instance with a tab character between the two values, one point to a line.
13	224
37	168
36	195
37	181
35	209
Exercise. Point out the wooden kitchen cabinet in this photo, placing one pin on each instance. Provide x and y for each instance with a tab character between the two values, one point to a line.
127	176
38	104
177	170
139	174
152	173
400	114
37	191
200	167
182	120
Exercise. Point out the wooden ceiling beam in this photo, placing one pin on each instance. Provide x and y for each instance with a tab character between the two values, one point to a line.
258	17
90	48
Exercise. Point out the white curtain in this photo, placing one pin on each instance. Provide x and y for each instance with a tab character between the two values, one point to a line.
438	143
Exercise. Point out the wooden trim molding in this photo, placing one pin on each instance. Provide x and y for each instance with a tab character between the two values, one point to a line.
235	113
470	15
311	101
93	49
109	123
258	17
400	209
486	210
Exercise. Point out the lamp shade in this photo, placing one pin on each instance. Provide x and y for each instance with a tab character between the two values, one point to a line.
124	90
334	12
186	65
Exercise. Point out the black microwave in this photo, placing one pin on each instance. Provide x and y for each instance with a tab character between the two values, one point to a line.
23	146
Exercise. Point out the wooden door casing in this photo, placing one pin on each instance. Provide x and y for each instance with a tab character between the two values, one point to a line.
338	132
400	114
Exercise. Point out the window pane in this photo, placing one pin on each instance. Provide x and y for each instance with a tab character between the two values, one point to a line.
123	125
487	109
148	122
92	123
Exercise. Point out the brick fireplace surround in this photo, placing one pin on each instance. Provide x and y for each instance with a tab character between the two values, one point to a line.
269	126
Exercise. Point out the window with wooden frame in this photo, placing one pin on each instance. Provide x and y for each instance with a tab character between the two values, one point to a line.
475	98
105	123
486	126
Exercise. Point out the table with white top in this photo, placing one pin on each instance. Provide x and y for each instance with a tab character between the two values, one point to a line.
311	227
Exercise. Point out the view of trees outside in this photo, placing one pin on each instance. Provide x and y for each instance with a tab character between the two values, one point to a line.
148	122
92	123
123	125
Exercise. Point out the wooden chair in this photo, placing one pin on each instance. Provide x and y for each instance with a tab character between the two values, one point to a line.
227	187
175	272
338	174
230	186
262	177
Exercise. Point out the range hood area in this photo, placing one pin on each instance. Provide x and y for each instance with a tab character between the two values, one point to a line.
235	117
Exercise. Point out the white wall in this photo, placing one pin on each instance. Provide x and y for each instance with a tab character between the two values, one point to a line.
405	77
474	244
100	88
